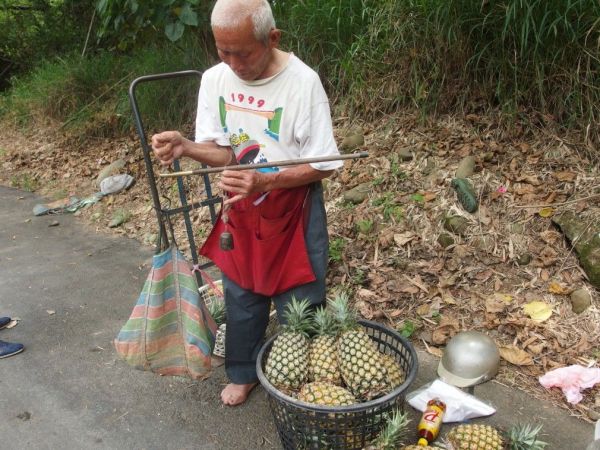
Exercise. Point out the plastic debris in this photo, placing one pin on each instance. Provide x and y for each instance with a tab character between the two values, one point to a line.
572	380
460	405
67	205
115	183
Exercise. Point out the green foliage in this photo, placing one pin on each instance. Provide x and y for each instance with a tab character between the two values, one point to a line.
365	226
374	56
390	208
359	277
407	328
324	33
336	249
89	95
418	198
33	30
127	24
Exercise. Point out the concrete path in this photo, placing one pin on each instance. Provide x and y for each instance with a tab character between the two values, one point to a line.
73	289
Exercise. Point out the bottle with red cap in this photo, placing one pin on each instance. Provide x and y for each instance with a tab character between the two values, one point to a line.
431	421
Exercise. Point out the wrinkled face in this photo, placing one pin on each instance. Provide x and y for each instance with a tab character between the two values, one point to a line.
239	49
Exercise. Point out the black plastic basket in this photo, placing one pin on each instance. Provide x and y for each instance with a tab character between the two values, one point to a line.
304	426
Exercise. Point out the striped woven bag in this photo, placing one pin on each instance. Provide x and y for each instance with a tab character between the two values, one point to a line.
170	331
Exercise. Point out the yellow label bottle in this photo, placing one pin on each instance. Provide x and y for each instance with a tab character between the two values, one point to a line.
431	421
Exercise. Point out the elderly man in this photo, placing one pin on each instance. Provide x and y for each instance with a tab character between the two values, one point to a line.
260	104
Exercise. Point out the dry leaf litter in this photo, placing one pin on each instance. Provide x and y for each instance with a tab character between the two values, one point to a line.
407	266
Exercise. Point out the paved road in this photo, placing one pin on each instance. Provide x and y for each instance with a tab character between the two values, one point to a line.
73	289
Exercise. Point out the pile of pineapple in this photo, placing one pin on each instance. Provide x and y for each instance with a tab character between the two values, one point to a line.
339	366
465	436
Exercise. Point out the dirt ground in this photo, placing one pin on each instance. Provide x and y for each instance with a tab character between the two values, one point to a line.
508	272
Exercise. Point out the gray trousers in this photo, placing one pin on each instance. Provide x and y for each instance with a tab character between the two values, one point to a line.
248	312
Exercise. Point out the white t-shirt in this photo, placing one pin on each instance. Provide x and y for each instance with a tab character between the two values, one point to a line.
283	117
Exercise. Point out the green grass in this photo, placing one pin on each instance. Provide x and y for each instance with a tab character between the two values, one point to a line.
336	249
389	207
89	95
25	182
437	56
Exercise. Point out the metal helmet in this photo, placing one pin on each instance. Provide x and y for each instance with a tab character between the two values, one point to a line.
470	358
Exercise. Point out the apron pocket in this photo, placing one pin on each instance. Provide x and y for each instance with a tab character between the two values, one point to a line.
269	228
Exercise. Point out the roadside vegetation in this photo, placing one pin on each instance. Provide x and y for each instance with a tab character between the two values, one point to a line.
532	61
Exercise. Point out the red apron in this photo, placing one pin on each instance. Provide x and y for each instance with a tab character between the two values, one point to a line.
269	255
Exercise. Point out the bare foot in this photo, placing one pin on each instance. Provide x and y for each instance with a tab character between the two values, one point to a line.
236	394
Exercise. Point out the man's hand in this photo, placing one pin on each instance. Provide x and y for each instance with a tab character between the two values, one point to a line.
168	146
242	183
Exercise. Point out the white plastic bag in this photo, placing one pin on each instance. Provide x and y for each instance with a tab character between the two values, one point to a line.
460	405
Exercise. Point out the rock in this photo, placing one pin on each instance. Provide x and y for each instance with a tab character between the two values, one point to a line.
116	183
580	300
358	194
466	167
586	242
445	240
353	140
456	224
575	230
524	259
589	257
487	156
112	169
404	154
54	223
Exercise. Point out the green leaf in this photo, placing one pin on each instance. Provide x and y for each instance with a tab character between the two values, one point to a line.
101	6
134	6
188	16
419	198
174	30
407	328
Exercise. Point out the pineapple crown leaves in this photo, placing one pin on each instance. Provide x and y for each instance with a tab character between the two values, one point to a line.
298	317
524	437
393	432
346	317
323	323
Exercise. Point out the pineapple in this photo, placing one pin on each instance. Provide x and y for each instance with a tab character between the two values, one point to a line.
419	447
486	437
475	436
322	358
395	373
216	309
287	364
360	361
392	434
324	393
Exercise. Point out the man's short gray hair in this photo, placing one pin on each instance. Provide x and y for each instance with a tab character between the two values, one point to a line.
228	14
